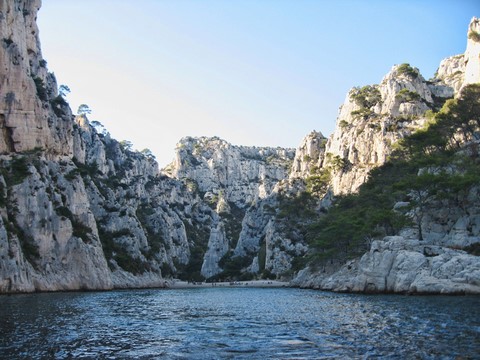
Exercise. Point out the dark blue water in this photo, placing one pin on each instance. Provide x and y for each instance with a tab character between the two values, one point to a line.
237	323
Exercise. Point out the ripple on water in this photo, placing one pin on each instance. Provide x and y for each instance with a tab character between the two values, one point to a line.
237	323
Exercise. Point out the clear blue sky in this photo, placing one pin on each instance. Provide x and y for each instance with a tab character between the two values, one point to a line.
254	72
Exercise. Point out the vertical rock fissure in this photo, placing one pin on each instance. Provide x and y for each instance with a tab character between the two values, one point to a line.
7	134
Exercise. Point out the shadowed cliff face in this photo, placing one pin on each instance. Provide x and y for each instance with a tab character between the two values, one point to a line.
30	116
80	210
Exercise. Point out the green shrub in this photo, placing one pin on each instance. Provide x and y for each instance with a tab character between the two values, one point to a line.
406	95
232	268
266	274
233	223
3	195
88	169
406	70
64	211
293	208
81	231
337	163
117	252
41	90
16	170
366	96
318	182
363	113
473	249
131	264
262	256
57	103
343	124
473	35
29	248
191	271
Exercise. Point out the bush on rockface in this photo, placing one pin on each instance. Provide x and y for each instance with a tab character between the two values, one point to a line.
406	95
41	90
406	70
366	96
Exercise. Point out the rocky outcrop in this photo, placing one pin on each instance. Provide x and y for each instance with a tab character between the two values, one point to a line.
472	53
309	155
231	179
399	265
218	246
370	121
450	72
28	93
375	117
238	174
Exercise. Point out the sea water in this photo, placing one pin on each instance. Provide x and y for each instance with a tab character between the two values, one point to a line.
237	323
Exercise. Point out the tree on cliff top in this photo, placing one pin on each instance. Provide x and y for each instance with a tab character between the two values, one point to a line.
84	109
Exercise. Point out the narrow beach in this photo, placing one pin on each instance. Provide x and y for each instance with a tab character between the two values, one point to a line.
179	284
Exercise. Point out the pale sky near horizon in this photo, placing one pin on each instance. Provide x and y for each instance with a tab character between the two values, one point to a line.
253	72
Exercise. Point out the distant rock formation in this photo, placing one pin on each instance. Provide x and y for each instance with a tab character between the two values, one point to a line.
231	179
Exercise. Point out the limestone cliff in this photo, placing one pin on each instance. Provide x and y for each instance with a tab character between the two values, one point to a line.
370	121
80	210
231	179
236	174
28	93
374	117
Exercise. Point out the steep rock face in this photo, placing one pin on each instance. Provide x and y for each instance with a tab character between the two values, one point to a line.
472	53
452	226
79	210
393	110
102	219
47	217
374	117
460	70
131	206
309	155
218	246
450	72
371	120
272	231
230	179
28	93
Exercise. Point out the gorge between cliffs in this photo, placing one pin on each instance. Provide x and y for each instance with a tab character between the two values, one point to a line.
389	203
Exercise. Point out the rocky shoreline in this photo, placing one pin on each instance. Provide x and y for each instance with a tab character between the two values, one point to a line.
401	266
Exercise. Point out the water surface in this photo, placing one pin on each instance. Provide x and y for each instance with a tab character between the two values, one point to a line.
237	323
